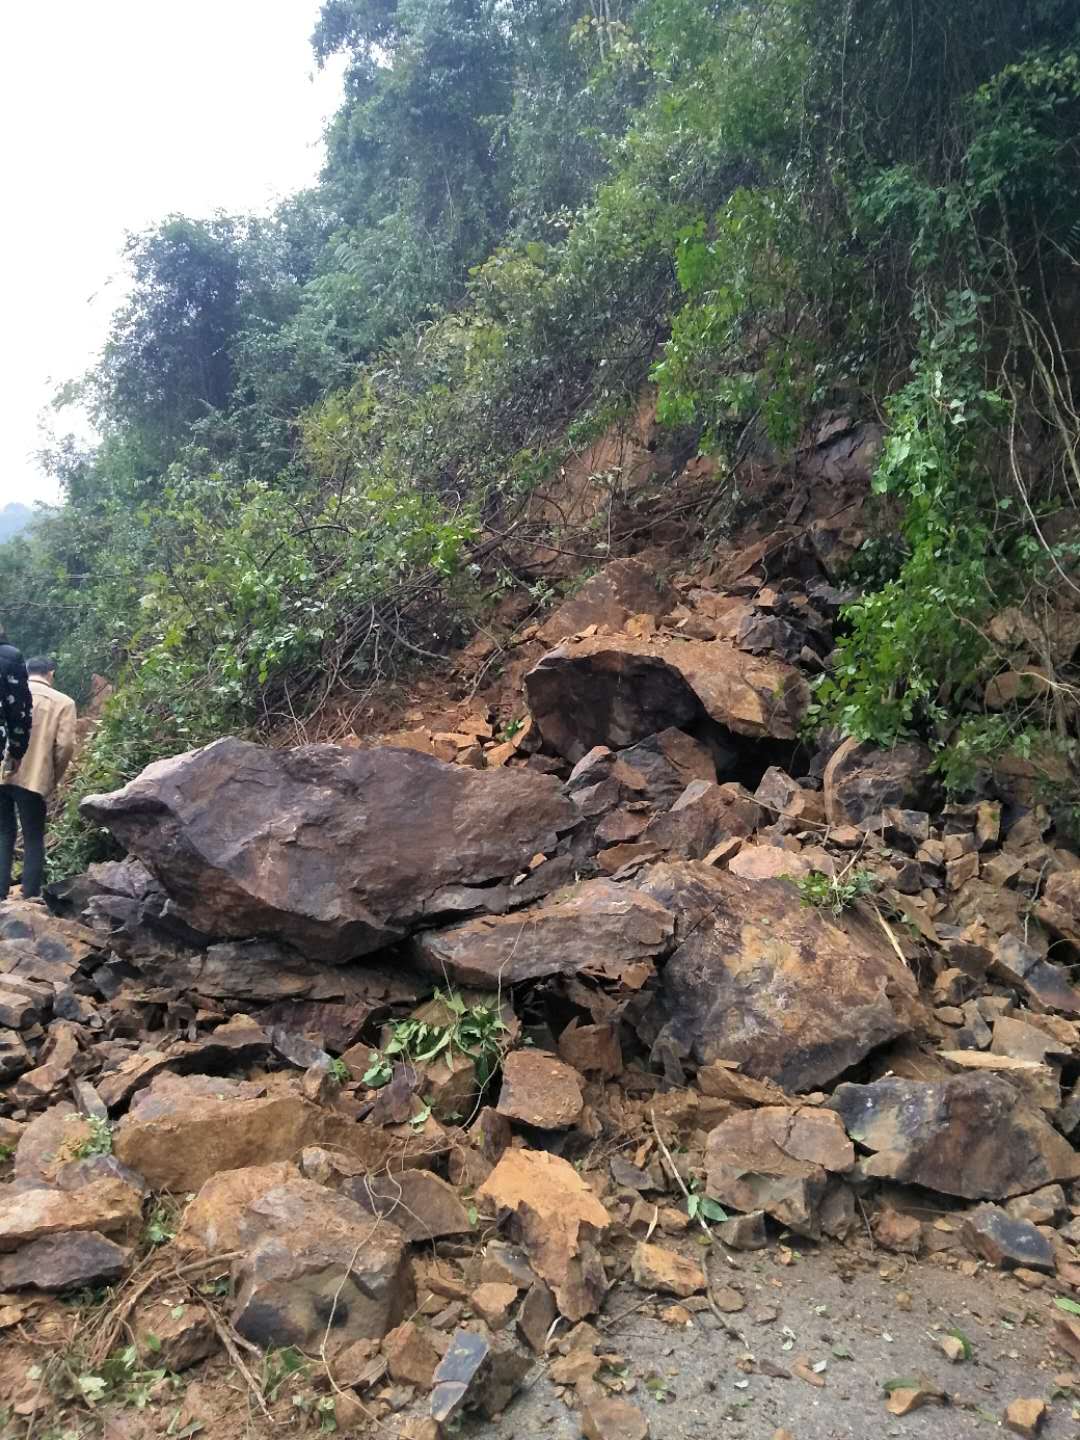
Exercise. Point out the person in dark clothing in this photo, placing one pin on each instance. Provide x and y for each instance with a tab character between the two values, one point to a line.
16	718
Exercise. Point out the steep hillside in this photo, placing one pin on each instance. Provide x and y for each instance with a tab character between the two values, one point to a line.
325	430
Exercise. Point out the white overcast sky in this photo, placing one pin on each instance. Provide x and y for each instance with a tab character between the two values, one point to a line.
114	113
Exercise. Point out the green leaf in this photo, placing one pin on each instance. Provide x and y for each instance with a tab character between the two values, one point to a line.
966	1343
712	1210
1064	1303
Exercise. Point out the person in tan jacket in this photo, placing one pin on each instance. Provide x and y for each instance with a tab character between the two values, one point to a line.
26	785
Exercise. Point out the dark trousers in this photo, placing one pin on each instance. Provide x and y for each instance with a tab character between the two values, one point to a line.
27	809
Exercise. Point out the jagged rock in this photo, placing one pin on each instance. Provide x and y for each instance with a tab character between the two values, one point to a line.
617	690
536	1317
492	1301
899	1233
478	1373
666	763
1038	1085
336	851
108	1206
744	1232
49	1141
654	1267
592	1049
422	1206
608	599
557	1219
703	816
14	1056
411	1357
767	862
778	1160
1047	985
597	927
861	780
783	989
56	1062
1041	1207
65	1262
178	1133
316	1262
689	889
613	1419
971	1136
1022	1041
538	1089
721	1081
176	1336
1005	1242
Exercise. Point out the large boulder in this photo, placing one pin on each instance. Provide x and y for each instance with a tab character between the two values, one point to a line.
317	1265
598	927
785	990
616	690
336	851
608	599
971	1136
862	779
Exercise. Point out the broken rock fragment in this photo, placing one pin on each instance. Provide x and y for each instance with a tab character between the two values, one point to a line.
478	1373
539	1089
971	1135
861	780
778	1160
1006	1242
65	1262
657	1268
558	1220
597	928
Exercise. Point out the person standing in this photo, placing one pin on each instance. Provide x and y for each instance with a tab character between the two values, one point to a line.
32	774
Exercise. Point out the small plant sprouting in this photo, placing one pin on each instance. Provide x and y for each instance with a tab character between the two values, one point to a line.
339	1072
835	892
98	1142
476	1031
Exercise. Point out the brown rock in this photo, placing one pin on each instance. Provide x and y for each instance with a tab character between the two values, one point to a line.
65	1262
971	1135
492	1302
595	928
175	1334
538	1089
744	1232
654	1267
557	1219
421	1205
618	690
177	1139
903	1399
767	862
1025	1417
861	780
1045	984
723	1082
536	1317
613	1419
333	878
899	1233
107	1206
411	1358
316	1262
212	1220
592	1049
777	1160
704	816
785	990
608	599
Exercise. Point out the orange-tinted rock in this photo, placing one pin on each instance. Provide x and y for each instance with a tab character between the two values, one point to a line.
592	1049
539	1089
657	1268
608	599
557	1219
618	690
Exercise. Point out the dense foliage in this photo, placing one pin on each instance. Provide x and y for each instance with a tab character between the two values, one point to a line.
314	422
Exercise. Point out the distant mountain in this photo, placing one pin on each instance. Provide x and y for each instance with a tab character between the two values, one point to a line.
13	518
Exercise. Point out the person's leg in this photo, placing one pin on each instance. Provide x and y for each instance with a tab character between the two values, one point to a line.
32	812
7	838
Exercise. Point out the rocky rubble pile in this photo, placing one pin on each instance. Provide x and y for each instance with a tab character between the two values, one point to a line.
425	1050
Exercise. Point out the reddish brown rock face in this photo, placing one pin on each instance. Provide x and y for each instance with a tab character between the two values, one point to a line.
781	988
616	690
971	1136
621	589
336	851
